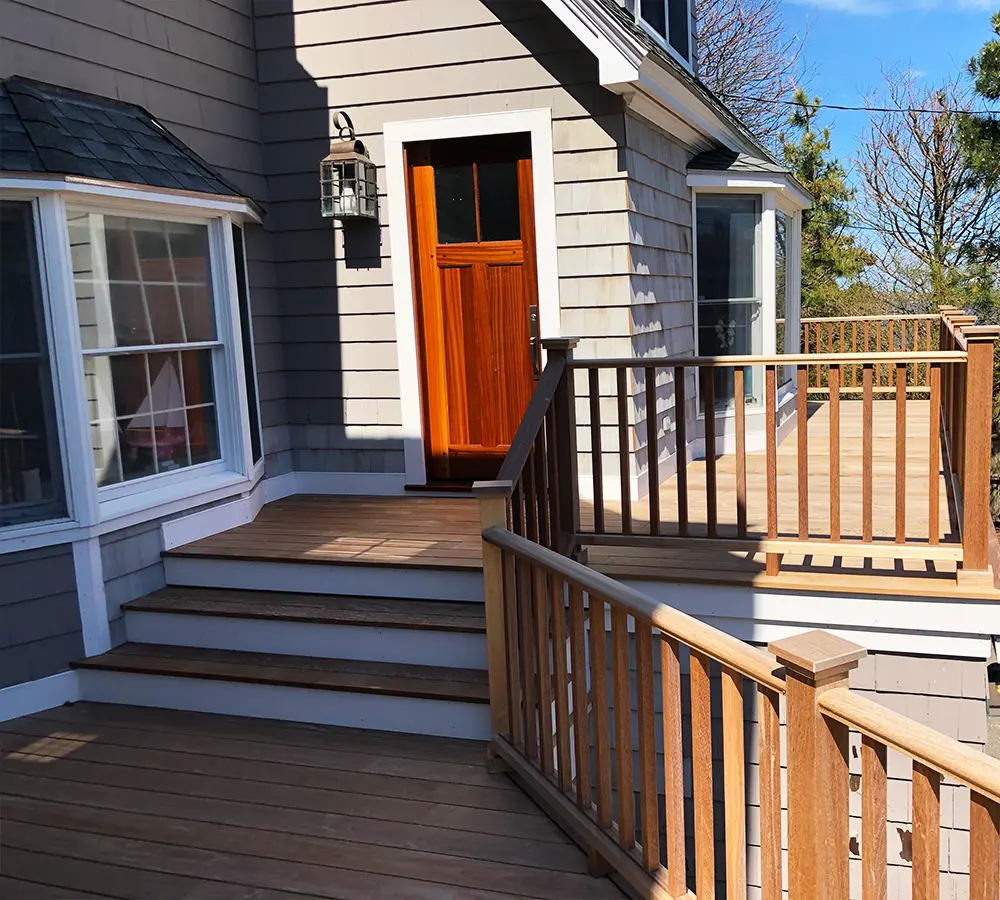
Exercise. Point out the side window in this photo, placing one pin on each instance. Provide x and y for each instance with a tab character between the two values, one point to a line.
31	484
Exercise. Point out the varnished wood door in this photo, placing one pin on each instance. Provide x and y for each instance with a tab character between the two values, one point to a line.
473	245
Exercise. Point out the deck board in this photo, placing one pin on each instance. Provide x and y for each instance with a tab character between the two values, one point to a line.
150	804
444	531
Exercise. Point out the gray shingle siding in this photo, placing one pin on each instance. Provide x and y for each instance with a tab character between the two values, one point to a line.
40	631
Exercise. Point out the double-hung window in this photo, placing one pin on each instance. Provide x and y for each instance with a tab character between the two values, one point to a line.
151	342
670	22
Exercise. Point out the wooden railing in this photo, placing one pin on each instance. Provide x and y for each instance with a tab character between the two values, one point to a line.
564	719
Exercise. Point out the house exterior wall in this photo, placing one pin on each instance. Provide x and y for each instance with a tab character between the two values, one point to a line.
405	60
40	631
191	63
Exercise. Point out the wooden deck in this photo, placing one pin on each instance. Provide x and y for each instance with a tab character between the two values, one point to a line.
443	532
104	801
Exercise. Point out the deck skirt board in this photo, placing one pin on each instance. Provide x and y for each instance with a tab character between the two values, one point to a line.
96	819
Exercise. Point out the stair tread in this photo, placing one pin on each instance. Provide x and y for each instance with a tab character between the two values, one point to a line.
434	615
394	679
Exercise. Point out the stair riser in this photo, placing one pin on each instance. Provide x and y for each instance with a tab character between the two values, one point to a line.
407	715
390	645
363	581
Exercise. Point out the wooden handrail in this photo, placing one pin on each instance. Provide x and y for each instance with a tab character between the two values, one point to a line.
812	320
972	768
730	651
789	359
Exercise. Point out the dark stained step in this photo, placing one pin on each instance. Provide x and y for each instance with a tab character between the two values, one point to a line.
425	615
391	679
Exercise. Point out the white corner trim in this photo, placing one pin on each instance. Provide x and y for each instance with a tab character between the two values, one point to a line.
211	521
538	123
37	696
91	597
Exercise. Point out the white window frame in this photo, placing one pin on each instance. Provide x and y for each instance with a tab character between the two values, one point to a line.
92	510
664	41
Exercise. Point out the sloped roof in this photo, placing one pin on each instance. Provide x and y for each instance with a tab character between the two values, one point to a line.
725	160
56	131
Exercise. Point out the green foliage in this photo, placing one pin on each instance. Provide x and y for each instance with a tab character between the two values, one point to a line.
829	254
981	134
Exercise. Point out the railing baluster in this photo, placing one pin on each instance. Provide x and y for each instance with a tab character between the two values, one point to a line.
648	794
673	764
854	349
926	832
532	530
866	455
701	777
840	347
900	453
734	784
621	378
562	683
623	727
802	450
927	335
595	448
599	707
741	452
514	664
552	474
711	498
541	497
769	753
526	578
652	452
934	467
834	381
680	429
873	820
773	560
545	729
581	724
984	848
878	349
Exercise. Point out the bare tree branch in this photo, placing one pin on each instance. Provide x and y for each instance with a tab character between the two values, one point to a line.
746	50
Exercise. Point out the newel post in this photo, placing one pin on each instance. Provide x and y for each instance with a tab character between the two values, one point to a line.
492	496
564	407
978	450
818	775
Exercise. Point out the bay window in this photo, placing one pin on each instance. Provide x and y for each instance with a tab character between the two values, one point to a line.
126	358
31	485
670	21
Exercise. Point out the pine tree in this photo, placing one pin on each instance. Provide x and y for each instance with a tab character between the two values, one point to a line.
981	134
829	254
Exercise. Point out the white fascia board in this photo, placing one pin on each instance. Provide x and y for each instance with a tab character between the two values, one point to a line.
792	197
206	204
618	55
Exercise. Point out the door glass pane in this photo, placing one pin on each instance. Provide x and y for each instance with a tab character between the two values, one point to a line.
499	209
728	308
30	473
455	199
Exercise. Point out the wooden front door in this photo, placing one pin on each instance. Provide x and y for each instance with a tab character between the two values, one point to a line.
473	244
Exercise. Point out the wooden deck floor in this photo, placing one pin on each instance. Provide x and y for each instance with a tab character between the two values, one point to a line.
104	801
444	531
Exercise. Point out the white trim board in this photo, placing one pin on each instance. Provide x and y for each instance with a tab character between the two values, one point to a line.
37	696
537	123
91	597
213	520
409	715
411	646
360	484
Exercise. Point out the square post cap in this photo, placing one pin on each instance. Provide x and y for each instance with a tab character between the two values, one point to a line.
817	654
559	343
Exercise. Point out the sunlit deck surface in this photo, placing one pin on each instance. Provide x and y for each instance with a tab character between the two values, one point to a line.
105	801
444	531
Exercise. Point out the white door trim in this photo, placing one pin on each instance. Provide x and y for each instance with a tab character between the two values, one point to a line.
537	123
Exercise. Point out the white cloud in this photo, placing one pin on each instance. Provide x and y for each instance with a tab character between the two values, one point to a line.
885	7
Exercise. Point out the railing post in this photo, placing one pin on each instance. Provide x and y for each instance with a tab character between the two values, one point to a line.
977	448
564	403
492	497
818	775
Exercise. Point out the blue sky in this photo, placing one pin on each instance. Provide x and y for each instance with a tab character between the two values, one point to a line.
848	41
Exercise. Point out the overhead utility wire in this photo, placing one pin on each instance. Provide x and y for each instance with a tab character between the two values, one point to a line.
883	109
